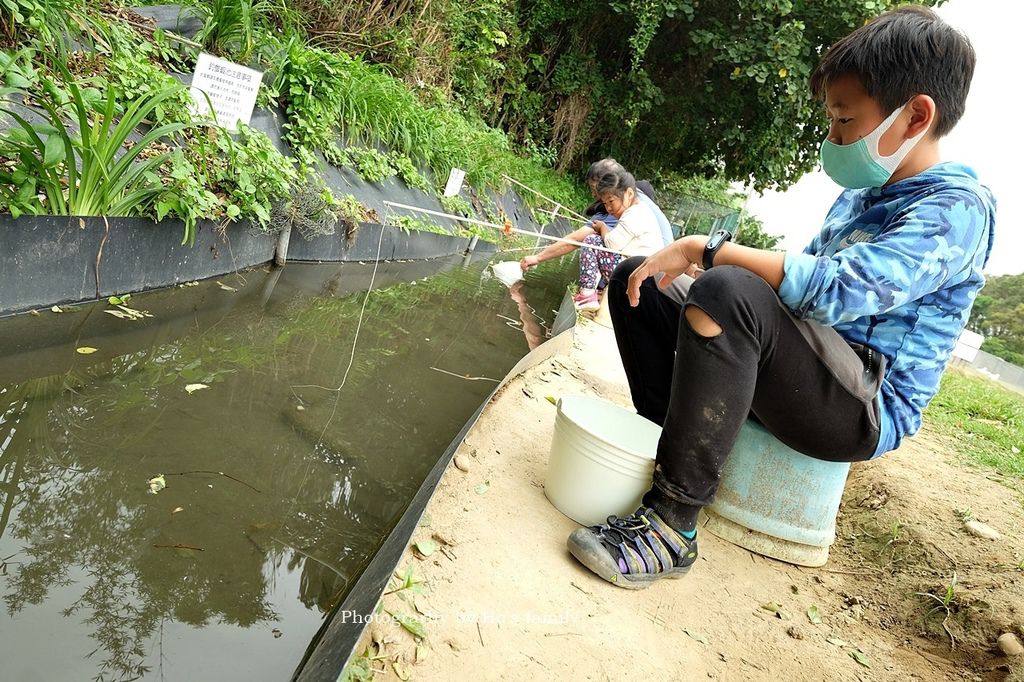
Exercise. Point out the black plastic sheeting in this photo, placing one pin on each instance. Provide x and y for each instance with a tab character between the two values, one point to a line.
56	259
47	260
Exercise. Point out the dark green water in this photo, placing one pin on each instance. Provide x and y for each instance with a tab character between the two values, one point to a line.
278	491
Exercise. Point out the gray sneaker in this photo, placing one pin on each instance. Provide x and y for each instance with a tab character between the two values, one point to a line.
634	551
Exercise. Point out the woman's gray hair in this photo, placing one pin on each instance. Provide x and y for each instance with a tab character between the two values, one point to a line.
603	167
615	182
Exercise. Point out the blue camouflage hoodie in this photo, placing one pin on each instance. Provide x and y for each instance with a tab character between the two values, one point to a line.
897	269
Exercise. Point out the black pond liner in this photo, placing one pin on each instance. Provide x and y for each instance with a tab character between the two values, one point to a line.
334	643
47	260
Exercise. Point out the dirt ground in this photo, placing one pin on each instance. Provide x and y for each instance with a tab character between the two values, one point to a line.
501	598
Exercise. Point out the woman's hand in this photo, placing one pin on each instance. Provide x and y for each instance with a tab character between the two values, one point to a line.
678	258
528	262
600	227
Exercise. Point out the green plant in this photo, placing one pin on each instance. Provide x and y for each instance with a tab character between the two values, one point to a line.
410	175
134	76
456	206
410	224
85	172
946	604
371	164
17	72
215	176
230	29
307	81
54	26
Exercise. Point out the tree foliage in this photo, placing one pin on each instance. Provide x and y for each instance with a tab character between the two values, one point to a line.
998	315
702	87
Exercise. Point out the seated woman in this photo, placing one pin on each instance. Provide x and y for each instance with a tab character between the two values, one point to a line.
635	232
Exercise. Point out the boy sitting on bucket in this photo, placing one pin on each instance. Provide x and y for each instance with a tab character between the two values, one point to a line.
836	350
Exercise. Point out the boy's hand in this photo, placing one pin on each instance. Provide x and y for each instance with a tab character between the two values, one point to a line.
678	258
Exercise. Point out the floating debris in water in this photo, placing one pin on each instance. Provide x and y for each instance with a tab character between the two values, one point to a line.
192	388
157	483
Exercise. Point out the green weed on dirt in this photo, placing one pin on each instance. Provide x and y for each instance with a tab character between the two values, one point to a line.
986	421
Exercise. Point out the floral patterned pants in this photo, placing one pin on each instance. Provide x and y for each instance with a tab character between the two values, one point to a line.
595	264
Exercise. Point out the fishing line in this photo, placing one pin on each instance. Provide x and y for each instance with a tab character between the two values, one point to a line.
505	229
355	338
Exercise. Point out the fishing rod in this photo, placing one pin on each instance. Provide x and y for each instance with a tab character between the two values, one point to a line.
505	229
545	197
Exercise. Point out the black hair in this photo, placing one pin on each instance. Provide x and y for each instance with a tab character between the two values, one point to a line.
647	188
905	52
615	182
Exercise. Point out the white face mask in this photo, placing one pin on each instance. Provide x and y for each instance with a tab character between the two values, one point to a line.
859	164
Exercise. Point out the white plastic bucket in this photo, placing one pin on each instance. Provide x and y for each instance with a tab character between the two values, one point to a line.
602	459
509	272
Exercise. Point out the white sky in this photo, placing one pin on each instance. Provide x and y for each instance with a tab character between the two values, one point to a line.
989	138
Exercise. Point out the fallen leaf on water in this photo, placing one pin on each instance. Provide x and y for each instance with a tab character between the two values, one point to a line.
425	547
813	614
551	399
157	483
225	287
696	635
34	312
192	388
859	656
178	509
85	350
56	309
483	487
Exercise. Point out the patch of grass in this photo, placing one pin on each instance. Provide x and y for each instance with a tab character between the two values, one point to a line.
986	420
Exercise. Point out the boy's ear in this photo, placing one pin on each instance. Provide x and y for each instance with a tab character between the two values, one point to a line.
923	115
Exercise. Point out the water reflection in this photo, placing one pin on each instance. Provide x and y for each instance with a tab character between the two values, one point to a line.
278	492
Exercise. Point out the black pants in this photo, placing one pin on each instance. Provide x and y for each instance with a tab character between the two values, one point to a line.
809	387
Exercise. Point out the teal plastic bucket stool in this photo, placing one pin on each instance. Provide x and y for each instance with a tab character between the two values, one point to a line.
776	501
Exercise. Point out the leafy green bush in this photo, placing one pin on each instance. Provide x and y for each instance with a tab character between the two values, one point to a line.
230	29
217	177
372	165
81	171
408	172
133	76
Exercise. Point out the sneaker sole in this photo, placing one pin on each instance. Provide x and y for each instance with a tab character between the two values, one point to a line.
591	553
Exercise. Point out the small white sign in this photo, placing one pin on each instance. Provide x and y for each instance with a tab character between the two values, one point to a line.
454	184
967	345
231	89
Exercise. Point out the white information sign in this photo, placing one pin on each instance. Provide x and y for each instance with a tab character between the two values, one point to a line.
454	184
231	89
